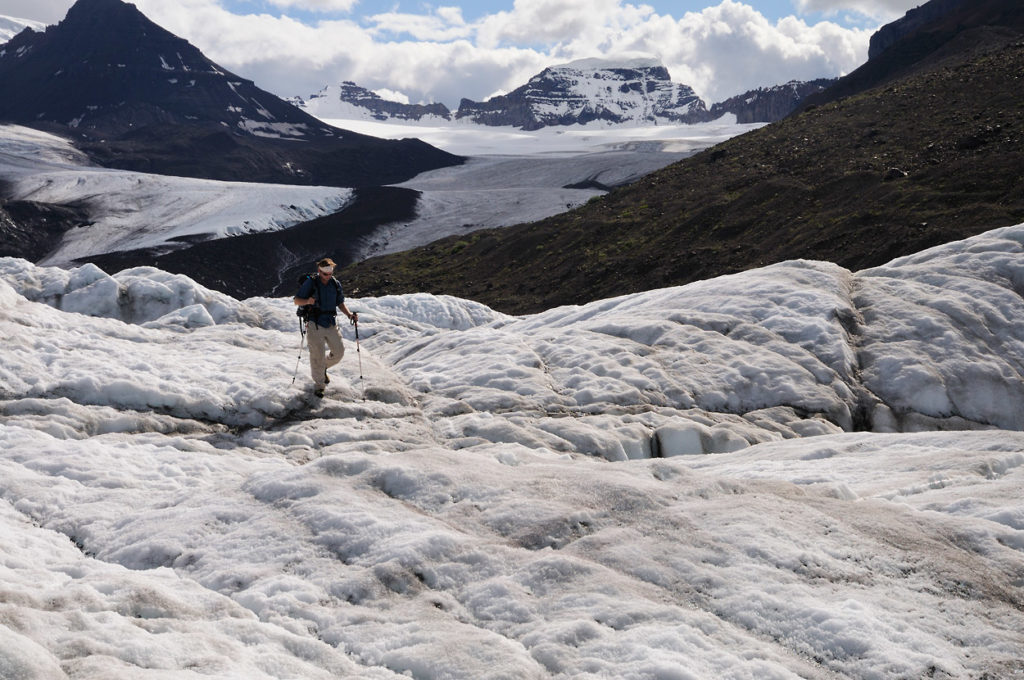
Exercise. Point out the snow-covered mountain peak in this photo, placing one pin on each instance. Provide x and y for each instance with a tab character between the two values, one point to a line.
640	91
623	89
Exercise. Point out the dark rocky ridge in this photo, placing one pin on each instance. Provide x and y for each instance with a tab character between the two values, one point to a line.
29	229
134	96
890	34
933	155
938	33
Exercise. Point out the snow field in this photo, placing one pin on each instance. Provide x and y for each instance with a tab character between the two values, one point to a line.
664	485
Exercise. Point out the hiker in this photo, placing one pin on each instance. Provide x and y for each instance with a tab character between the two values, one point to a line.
320	294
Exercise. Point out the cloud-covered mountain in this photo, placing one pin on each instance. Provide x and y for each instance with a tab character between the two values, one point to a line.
796	471
432	55
134	96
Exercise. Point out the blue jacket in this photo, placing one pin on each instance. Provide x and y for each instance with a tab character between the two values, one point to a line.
328	297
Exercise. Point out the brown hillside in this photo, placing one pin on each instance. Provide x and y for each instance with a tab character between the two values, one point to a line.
931	158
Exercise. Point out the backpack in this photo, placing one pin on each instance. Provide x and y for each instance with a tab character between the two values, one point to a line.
306	311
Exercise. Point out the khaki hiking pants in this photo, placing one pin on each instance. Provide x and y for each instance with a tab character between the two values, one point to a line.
319	362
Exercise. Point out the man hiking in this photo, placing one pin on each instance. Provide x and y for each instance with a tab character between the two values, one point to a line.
321	295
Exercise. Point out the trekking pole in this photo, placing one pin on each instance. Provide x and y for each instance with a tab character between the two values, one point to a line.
355	323
302	342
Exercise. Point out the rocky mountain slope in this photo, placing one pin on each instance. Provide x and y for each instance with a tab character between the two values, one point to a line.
933	156
134	96
913	20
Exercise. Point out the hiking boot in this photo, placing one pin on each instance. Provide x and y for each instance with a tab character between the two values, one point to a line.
319	392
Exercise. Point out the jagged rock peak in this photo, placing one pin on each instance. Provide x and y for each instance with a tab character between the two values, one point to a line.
947	32
91	10
112	20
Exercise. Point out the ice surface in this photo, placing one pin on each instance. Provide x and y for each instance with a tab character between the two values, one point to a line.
796	471
470	139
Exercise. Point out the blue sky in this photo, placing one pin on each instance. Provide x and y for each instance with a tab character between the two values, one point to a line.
422	52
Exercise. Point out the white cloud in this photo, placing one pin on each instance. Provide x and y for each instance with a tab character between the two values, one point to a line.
533	22
445	72
392	96
47	11
445	25
731	48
